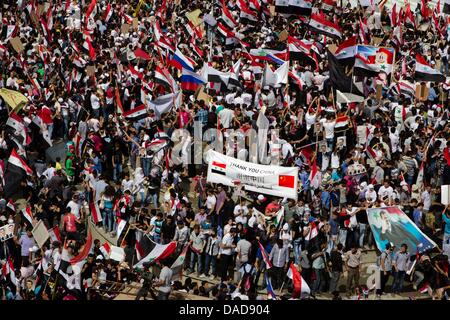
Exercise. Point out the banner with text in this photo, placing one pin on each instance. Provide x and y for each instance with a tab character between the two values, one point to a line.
272	180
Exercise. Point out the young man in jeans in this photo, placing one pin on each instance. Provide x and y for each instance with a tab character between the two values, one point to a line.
400	265
385	268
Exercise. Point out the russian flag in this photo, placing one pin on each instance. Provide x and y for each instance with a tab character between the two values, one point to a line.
180	61
270	293
191	80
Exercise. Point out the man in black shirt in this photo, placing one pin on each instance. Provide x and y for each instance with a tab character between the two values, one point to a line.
336	265
168	230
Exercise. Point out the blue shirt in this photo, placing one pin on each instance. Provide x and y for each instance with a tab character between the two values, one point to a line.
417	216
304	177
325	199
202	115
447	223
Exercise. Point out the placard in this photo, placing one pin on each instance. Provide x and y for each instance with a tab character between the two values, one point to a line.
17	44
135	23
193	17
40	233
202	95
422	91
90	71
125	28
117	254
379	91
7	232
445	195
283	36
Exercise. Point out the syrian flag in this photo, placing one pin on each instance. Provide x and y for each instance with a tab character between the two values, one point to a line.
323	26
265	256
177	266
300	50
95	212
218	168
346	51
296	80
11	206
105	249
136	73
371	153
121	224
190	80
138	113
270	293
143	247
313	175
342	97
82	255
409	17
165	44
300	7
2	172
394	17
27	214
282	6
342	121
8	269
365	66
160	77
158	252
17	161
280	213
313	231
108	13
16	122
234	75
227	17
423	72
419	180
196	49
364	32
246	13
54	234
88	46
328	5
300	285
406	88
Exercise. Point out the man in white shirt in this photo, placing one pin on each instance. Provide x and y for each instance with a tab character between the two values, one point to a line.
371	195
328	126
226	117
226	252
385	192
75	208
426	199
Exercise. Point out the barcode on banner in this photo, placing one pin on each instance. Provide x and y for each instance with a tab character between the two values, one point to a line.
248	178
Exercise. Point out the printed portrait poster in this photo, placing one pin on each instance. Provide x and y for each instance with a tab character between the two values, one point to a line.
390	224
7	232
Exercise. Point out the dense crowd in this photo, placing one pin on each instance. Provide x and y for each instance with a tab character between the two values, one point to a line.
88	68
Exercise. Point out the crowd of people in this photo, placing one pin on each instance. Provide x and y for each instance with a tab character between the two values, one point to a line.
95	135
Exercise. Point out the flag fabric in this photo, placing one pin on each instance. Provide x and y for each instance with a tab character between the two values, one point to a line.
339	79
191	80
11	206
108	13
424	72
138	113
139	53
180	61
121	224
164	103
158	252
446	7
300	285
16	122
419	180
143	247
313	231
95	212
105	249
90	48
300	7
346	51
178	264
227	17
17	161
265	256
82	255
365	66
27	214
13	98
320	25
270	293
8	269
371	60
55	234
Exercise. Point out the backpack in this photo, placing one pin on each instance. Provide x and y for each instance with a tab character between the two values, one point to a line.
247	279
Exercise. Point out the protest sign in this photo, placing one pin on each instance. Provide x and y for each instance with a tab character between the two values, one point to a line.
17	44
125	28
40	233
272	180
392	225
90	71
445	194
117	254
7	232
193	16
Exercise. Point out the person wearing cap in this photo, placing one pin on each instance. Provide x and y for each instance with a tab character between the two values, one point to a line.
385	264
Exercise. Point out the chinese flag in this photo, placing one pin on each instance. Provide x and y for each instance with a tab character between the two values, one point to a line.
286	181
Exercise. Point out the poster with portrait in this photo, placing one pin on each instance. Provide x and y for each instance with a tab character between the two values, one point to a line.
390	224
7	232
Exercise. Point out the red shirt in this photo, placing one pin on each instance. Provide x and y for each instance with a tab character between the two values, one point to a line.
69	223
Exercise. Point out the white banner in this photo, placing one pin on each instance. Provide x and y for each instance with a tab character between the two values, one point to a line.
273	180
